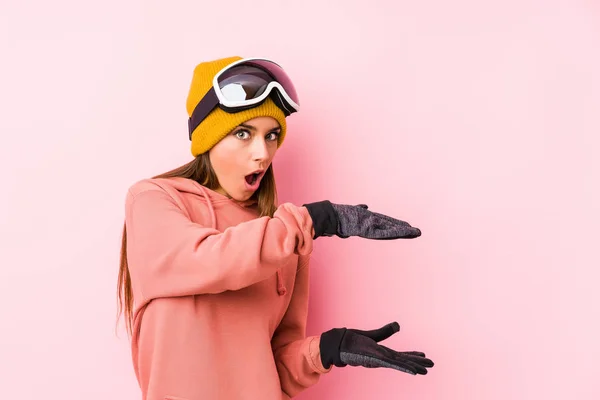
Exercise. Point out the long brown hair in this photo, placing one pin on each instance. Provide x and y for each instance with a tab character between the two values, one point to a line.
200	170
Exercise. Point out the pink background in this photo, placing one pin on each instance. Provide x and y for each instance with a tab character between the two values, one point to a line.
476	121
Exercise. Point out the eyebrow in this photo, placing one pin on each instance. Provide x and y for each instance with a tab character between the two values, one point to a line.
253	128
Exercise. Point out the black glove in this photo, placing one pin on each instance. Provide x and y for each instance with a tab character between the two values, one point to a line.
356	348
343	220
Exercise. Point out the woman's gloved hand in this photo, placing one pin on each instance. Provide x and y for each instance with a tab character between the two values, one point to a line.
341	347
343	220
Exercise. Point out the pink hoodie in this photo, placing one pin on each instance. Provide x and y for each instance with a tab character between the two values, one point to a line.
221	296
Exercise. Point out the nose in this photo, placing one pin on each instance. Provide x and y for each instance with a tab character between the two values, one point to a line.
260	150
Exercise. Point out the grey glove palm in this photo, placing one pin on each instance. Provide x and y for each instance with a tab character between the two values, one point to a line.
358	348
345	220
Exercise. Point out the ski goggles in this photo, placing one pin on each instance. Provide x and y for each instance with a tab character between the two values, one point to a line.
245	84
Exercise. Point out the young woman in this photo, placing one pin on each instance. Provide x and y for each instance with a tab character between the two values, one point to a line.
214	275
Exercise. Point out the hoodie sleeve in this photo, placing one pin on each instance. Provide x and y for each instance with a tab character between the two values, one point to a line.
169	255
297	356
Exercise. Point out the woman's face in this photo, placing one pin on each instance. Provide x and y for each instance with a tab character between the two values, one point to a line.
241	158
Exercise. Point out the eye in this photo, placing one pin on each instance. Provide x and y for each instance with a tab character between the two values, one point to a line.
273	136
240	134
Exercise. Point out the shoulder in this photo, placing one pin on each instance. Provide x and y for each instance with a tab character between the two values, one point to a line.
144	185
157	188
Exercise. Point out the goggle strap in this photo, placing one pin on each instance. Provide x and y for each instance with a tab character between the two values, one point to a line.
201	111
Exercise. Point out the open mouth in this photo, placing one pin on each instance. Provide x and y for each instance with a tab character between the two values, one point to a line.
252	178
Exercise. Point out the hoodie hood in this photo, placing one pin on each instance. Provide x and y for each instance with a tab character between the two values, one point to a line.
211	197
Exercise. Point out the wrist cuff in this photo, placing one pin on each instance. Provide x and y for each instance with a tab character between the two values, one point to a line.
330	347
324	218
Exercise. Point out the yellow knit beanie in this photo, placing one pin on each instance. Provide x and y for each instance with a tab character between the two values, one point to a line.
219	123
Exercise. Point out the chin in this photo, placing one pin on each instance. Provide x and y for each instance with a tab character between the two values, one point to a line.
242	196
